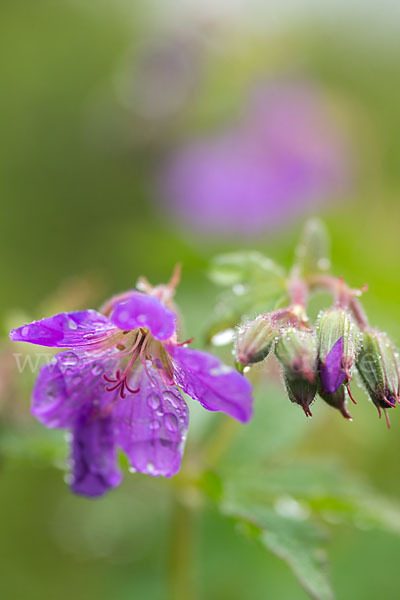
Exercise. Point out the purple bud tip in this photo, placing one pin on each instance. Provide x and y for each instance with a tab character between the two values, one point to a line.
331	371
389	401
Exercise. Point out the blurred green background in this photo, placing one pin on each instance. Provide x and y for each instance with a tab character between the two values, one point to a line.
78	161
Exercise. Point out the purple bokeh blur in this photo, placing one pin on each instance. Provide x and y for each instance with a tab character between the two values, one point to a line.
285	156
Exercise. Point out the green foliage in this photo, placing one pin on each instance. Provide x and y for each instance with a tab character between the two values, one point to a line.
313	251
254	283
289	507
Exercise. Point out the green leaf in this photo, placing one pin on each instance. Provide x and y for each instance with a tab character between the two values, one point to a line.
256	285
313	251
308	563
245	267
324	489
297	542
283	501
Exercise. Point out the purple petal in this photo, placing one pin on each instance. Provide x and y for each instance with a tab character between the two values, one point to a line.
66	330
151	425
214	385
331	371
94	469
142	310
68	384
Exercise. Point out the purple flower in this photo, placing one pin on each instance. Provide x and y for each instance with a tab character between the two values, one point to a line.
119	386
331	371
283	158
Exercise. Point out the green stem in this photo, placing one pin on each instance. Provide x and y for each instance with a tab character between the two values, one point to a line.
181	576
220	441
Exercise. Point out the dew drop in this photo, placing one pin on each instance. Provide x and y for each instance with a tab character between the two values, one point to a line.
170	397
153	401
239	289
324	264
223	337
97	369
69	359
150	468
220	370
25	331
170	422
123	315
89	336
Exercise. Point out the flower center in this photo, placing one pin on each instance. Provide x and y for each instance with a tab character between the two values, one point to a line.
138	345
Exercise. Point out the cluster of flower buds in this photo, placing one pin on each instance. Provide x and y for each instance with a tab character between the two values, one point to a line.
322	359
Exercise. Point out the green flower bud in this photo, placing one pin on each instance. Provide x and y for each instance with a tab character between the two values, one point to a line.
297	351
254	339
300	391
378	366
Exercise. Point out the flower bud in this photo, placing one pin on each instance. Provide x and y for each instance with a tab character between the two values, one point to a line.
338	348
297	351
337	400
300	391
254	339
378	366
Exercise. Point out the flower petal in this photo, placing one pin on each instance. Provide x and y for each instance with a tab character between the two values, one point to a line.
65	330
152	425
331	371
93	456
142	310
66	385
213	384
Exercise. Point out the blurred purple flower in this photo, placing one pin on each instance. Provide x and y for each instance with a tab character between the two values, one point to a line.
284	158
119	386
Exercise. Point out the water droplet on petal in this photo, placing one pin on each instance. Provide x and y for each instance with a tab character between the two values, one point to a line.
170	422
150	467
68	360
25	331
172	399
153	401
123	315
97	368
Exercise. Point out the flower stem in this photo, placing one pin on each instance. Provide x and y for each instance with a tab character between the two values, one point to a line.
220	441
297	289
181	576
341	291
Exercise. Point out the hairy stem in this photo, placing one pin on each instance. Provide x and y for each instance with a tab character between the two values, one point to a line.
344	295
297	289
